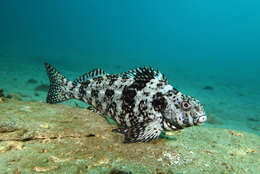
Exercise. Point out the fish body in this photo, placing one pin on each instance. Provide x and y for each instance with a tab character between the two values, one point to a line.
141	101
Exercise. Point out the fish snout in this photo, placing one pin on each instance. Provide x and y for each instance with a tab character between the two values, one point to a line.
201	119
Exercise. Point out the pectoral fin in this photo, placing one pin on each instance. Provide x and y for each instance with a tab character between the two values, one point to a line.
143	132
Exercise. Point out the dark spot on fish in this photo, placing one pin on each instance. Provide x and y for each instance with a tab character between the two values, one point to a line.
176	106
73	87
112	80
83	88
159	84
111	109
146	94
98	79
139	84
208	88
82	91
123	80
171	92
85	84
175	124
98	105
186	120
133	119
94	93
42	88
128	95
109	93
88	99
128	107
158	95
142	107
175	91
159	102
90	107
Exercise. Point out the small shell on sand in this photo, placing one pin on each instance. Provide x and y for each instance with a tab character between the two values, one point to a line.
44	169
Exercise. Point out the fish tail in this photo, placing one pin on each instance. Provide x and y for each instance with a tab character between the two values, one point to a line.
60	87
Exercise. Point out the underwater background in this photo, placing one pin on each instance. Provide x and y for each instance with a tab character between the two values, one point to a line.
206	49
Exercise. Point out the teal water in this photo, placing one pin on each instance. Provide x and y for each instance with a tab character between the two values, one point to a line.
194	43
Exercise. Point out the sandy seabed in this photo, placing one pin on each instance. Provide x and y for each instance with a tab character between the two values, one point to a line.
38	137
68	138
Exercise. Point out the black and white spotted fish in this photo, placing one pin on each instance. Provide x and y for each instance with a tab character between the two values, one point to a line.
140	100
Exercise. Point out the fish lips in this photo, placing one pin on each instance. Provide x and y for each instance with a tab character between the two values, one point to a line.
201	119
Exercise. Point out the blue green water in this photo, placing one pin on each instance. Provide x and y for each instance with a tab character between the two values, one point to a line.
194	43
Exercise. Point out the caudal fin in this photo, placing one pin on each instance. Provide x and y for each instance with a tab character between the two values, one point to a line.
59	86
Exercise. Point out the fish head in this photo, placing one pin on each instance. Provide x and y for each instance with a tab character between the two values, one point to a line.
184	111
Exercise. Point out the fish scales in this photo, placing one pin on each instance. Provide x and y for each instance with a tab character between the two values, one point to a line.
140	100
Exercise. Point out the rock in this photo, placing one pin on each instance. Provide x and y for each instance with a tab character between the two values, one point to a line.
2	93
117	171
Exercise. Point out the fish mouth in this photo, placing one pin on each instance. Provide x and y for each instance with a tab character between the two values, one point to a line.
201	119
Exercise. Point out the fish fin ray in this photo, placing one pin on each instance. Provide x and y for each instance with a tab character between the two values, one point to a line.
143	73
91	74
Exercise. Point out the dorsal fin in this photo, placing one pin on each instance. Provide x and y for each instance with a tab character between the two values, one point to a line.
91	74
143	73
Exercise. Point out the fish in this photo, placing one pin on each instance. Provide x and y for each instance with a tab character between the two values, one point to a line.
141	100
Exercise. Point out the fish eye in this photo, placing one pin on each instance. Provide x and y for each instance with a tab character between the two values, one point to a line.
185	105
